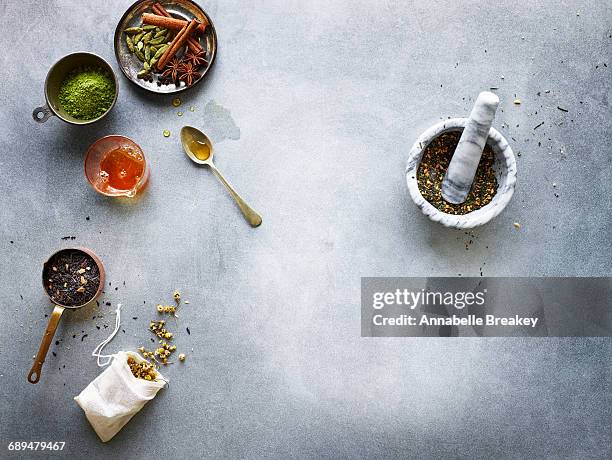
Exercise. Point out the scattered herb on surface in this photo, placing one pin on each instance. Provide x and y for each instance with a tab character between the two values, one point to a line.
159	329
166	308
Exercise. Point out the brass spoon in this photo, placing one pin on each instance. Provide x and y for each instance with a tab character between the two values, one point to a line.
199	149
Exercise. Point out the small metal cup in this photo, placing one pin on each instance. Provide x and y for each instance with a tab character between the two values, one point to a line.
58	309
56	76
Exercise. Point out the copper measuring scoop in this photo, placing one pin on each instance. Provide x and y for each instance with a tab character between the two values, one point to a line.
58	309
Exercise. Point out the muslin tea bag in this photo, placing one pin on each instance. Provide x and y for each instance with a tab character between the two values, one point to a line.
115	396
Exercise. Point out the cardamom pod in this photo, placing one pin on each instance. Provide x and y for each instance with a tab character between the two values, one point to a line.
132	30
147	37
143	73
130	43
139	54
160	51
137	37
147	53
147	67
148	27
158	40
161	33
152	62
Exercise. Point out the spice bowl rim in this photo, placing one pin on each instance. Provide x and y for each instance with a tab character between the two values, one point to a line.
480	216
49	106
96	260
141	182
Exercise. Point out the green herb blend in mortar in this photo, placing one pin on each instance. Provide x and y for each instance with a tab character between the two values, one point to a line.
432	168
87	93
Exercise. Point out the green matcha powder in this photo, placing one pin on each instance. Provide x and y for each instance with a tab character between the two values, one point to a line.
87	93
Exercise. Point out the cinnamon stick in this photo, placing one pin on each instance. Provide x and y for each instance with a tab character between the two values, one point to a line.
168	23
177	43
192	43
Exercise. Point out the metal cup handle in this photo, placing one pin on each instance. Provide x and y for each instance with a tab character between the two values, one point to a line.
34	375
42	114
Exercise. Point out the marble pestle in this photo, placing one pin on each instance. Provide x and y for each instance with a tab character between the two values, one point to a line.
462	168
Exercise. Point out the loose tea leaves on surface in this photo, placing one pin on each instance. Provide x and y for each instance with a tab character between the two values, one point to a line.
87	93
432	168
71	277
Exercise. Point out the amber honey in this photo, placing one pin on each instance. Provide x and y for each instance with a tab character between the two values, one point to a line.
201	150
116	166
122	168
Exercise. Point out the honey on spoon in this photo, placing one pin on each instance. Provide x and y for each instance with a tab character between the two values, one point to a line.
198	148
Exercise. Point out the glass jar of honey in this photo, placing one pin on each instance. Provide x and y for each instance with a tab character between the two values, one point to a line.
116	166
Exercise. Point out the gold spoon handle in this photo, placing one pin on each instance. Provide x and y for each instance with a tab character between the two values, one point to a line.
251	216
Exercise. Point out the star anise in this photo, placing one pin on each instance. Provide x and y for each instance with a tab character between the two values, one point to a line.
188	73
172	69
196	59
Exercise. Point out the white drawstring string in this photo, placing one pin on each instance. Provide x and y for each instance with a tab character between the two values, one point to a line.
99	348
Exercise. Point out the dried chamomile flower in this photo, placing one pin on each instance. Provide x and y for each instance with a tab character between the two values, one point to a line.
181	357
169	309
164	352
147	354
177	296
142	370
158	328
166	309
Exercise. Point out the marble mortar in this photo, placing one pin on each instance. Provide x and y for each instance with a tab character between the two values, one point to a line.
505	172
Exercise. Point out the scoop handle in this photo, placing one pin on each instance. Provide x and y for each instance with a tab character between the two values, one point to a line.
462	168
34	375
42	114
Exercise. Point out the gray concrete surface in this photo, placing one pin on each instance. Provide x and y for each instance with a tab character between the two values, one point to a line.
313	107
